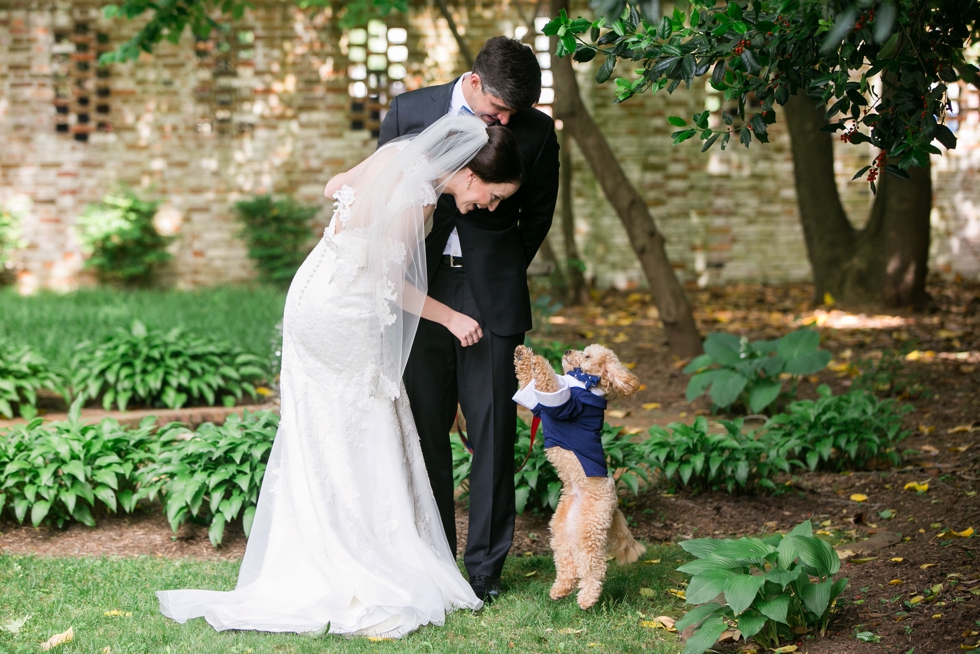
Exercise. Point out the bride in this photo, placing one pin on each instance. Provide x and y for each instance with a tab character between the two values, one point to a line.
347	538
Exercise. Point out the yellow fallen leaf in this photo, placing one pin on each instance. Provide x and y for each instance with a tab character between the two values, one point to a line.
897	559
828	300
858	497
915	600
650	406
263	391
961	448
929	449
379	639
617	413
652	561
785	649
960	429
824	532
866	559
116	613
926	429
896	582
970	493
531	573
917	487
662	622
630	365
106	650
677	593
59	639
937	615
845	553
966	533
968	648
926	566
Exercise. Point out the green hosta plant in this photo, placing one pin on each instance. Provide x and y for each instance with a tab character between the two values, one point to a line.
169	369
732	369
10	239
122	243
213	474
841	432
278	234
702	460
762	587
22	374
65	471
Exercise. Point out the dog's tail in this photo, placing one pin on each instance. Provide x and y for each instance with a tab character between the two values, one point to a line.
621	543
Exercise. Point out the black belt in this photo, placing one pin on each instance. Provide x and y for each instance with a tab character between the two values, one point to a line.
452	261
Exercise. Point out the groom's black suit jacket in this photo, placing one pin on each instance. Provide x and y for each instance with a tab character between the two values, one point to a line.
497	246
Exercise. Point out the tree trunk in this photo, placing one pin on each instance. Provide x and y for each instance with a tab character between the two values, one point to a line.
646	239
577	290
885	263
464	49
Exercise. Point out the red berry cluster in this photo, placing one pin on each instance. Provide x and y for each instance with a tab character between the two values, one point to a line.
782	21
741	45
848	134
864	19
876	166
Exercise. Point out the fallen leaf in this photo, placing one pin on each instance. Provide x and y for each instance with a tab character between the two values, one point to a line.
680	594
785	649
59	639
117	613
845	553
648	592
968	648
617	413
915	600
531	573
917	487
730	636
662	622
867	637
866	559
106	650
960	429
897	559
966	533
380	639
887	514
970	493
961	448
650	406
926	429
929	449
14	626
937	615
652	561
263	391
858	497
926	566
569	630
896	582
828	300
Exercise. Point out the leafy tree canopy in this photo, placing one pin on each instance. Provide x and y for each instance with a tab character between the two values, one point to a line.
882	66
167	19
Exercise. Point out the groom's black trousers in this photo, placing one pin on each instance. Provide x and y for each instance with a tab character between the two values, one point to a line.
481	377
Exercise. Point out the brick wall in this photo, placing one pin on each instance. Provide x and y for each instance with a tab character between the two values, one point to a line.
268	107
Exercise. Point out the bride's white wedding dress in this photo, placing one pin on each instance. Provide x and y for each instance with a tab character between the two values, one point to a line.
347	532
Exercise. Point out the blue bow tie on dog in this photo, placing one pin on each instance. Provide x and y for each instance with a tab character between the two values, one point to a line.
585	378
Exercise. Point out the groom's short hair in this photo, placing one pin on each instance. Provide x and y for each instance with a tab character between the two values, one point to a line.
509	70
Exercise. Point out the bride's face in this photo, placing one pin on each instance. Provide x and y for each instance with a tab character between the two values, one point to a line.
477	194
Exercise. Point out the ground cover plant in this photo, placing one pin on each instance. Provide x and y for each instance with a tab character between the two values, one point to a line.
58	472
52	324
735	370
123	245
770	585
842	432
154	368
277	231
109	602
22	374
212	474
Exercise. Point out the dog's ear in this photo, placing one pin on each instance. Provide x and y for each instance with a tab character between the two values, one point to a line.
618	378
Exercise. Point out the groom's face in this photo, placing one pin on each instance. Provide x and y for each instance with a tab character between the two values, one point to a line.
489	108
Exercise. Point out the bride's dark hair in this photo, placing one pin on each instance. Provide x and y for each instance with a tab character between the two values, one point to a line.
499	161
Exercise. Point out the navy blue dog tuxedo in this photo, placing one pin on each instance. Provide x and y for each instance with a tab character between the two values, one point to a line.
572	418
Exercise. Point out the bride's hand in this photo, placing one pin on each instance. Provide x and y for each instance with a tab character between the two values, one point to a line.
464	328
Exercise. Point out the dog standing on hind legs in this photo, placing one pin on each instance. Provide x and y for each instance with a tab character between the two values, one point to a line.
587	525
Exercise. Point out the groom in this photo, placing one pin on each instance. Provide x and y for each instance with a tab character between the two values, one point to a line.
477	265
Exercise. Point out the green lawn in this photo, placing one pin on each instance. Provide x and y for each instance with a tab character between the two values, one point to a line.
78	592
53	323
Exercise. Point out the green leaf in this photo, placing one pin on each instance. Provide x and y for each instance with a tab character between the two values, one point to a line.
726	387
776	608
706	636
217	529
763	393
817	554
750	623
696	616
707	585
677	121
816	597
702	547
39	511
723	348
798	343
808	363
740	591
606	70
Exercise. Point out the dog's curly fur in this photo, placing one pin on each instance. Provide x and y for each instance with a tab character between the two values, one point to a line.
587	525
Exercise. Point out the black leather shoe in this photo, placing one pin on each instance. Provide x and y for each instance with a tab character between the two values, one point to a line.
486	588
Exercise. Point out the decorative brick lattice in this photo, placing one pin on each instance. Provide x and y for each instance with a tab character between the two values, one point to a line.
219	94
377	58
82	90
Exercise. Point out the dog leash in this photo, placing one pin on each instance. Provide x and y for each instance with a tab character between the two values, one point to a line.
535	423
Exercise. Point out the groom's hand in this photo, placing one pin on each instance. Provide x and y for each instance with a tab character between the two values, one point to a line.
465	329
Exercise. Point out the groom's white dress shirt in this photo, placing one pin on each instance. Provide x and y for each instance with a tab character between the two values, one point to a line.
456	105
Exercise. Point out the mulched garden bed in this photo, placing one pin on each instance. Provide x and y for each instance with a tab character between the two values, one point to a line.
942	382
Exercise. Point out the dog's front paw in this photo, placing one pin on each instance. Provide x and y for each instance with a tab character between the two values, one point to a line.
545	379
562	588
589	595
522	365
